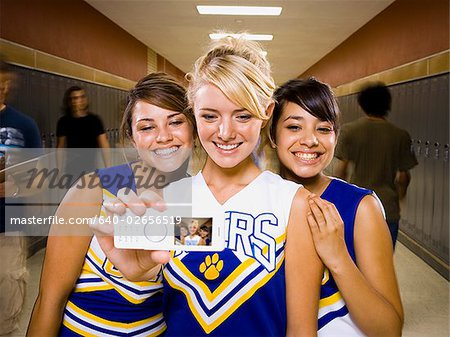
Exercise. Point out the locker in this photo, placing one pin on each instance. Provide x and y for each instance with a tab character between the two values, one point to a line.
418	120
404	106
40	95
435	209
427	106
445	216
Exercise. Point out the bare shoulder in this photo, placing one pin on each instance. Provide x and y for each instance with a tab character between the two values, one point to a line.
370	206
300	207
371	229
301	197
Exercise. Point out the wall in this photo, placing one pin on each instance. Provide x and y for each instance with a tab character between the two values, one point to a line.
406	31
167	67
70	38
74	31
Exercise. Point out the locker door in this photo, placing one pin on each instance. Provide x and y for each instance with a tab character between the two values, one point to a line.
402	106
445	216
428	102
18	97
415	197
442	207
39	98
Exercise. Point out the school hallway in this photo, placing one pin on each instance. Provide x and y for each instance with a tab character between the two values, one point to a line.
425	295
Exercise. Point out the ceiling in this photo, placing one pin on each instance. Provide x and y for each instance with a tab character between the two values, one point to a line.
304	32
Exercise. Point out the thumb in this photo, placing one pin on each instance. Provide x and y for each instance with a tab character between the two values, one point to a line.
153	200
160	256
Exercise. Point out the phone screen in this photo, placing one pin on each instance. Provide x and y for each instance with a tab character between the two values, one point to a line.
194	232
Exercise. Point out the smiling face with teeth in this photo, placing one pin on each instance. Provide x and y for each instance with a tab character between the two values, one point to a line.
163	138
305	144
227	132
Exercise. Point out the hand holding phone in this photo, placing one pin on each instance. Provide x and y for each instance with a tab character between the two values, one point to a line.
168	223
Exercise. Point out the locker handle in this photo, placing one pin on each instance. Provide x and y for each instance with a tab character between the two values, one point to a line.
436	150
418	150
427	149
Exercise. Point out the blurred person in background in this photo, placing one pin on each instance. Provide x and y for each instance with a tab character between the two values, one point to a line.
17	131
80	129
379	151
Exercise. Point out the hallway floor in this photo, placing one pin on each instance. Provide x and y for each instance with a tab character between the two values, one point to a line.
425	295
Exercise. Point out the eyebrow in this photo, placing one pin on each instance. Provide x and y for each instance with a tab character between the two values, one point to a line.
298	118
152	120
215	110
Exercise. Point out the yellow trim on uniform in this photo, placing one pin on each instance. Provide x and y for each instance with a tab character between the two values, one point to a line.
86	269
326	276
212	295
109	268
112	272
157	333
324	302
210	327
113	324
281	238
278	240
109	194
95	257
77	330
94	288
236	273
116	287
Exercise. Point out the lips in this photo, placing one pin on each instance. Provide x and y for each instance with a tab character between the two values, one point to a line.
166	152
227	147
307	156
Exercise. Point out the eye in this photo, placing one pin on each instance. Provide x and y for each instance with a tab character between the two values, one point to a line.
176	122
146	127
208	117
325	129
244	117
294	127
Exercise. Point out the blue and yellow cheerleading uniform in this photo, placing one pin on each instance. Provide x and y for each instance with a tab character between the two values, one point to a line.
103	302
334	318
241	290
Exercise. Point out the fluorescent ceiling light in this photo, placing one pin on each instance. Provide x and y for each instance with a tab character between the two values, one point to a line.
254	37
238	10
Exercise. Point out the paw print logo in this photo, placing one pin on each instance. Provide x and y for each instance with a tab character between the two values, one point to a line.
211	267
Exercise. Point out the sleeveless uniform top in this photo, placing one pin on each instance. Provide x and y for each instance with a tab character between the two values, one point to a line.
103	302
334	318
188	241
239	291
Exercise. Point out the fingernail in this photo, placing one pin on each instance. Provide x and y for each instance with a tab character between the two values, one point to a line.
161	206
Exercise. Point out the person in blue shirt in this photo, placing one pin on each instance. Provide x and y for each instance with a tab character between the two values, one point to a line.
18	134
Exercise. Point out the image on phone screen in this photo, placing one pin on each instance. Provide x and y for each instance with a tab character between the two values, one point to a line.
194	232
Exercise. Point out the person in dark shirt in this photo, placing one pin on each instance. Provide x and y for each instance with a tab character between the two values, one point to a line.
379	151
78	130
